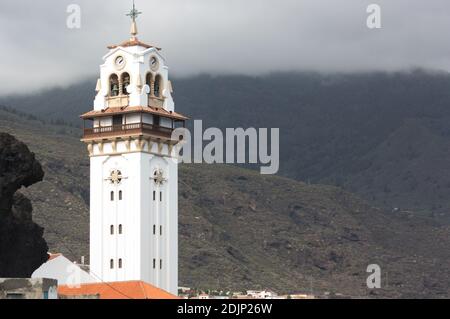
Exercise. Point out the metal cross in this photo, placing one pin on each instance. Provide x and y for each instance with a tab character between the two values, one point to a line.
134	13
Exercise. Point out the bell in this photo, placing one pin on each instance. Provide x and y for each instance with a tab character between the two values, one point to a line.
115	89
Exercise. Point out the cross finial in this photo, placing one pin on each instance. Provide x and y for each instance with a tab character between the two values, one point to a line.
134	13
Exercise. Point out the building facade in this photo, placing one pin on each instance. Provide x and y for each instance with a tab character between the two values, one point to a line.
133	168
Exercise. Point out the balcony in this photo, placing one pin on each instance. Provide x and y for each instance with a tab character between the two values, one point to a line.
127	129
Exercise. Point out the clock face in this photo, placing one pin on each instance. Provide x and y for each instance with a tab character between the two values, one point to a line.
154	64
120	62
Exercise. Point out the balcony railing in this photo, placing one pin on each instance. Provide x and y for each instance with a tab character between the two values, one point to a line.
125	129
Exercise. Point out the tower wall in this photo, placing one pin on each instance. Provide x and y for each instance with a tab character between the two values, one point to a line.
138	227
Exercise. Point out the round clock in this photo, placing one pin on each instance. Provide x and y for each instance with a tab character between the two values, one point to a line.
120	62
154	63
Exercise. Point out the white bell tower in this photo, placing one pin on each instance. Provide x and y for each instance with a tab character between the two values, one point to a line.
133	169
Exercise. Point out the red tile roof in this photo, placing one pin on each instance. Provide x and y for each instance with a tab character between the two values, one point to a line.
134	109
133	42
118	290
53	256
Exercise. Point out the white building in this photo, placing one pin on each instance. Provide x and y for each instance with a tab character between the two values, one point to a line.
262	294
133	170
63	270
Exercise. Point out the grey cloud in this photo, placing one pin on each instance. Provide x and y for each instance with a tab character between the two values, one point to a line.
221	36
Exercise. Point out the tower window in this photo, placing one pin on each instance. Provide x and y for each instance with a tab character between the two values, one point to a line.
154	229
120	195
154	263
111	229
154	195
160	230
120	263
160	264
111	263
156	120
157	86
160	196
125	82
113	85
120	229
148	81
117	120
112	195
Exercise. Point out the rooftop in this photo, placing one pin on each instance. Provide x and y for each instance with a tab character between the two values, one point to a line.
117	290
134	109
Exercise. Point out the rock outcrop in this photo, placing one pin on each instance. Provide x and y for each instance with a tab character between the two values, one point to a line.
22	246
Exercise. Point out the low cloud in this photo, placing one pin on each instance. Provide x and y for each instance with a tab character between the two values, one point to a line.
221	36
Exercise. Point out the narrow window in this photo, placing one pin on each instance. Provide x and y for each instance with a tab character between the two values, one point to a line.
125	83
156	120
113	85
112	195
120	195
160	196
112	230
154	263
111	264
154	229
148	81
157	86
154	195
160	230
160	264
120	263
120	229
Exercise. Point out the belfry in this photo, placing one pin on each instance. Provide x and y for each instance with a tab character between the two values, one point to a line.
133	167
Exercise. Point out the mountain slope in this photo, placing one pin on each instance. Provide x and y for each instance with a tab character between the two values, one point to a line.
240	230
335	129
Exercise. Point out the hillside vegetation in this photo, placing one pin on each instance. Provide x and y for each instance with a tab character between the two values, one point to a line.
385	136
241	230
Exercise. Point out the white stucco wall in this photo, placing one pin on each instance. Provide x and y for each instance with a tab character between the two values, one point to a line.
63	270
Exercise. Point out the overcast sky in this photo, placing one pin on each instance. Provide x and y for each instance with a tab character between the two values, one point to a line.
221	36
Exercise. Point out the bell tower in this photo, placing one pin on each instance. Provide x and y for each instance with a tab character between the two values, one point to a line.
133	167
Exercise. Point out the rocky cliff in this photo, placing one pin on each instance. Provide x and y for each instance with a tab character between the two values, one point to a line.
22	246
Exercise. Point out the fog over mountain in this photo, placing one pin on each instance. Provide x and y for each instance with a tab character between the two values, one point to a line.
221	37
385	136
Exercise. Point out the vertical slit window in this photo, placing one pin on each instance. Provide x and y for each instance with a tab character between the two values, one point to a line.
154	263
154	229
154	195
111	264
160	196
112	195
160	230
120	229
120	195
120	263
111	229
160	264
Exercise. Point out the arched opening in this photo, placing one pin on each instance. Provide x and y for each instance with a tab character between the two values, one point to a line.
149	82
113	85
120	229
112	195
125	79
112	230
157	86
120	263
120	195
111	264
